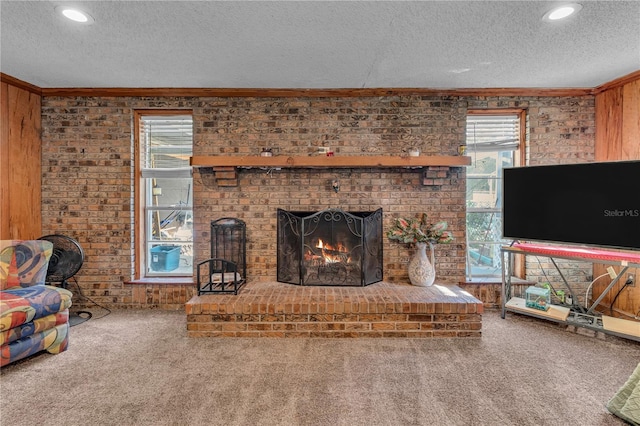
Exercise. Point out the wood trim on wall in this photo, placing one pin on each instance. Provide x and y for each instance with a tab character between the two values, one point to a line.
313	93
310	93
618	82
137	198
4	78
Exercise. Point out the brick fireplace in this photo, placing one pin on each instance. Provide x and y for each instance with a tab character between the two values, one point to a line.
331	247
359	127
438	191
355	127
87	171
333	297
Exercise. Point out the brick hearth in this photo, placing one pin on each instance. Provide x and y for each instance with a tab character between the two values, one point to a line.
271	309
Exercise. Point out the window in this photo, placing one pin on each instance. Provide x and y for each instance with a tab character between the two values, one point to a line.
164	194
494	140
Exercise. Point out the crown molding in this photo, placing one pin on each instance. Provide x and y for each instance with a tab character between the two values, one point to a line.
626	79
4	78
310	93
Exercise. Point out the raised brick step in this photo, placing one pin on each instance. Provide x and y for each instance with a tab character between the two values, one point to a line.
271	309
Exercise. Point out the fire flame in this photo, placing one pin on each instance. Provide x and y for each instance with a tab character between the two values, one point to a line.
330	253
339	247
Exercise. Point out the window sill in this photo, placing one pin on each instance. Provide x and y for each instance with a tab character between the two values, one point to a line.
185	281
494	280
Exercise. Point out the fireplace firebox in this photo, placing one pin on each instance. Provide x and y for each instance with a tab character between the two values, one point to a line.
329	248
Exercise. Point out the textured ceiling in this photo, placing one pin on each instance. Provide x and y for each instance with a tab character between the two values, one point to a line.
312	44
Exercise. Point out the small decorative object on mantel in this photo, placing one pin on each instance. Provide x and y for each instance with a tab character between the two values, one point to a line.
420	233
414	152
266	152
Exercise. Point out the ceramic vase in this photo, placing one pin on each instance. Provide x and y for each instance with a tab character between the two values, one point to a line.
422	271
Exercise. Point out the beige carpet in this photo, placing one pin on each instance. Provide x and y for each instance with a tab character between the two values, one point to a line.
139	368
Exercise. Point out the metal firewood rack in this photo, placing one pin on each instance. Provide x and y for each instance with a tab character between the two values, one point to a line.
226	270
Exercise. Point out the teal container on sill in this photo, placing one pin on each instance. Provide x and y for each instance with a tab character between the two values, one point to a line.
165	258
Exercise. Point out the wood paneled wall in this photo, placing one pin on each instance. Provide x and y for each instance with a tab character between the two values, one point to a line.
618	138
20	163
618	123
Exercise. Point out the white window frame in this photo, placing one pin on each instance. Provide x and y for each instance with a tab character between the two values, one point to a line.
515	144
142	193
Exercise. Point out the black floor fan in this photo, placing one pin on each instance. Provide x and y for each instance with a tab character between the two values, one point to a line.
65	262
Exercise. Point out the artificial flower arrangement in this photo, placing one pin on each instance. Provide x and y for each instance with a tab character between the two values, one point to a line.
418	230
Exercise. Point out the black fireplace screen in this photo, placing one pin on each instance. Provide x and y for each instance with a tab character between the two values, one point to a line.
331	247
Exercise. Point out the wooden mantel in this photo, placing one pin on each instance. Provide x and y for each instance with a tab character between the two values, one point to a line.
347	161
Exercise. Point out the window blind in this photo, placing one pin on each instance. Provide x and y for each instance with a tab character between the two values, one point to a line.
493	133
167	143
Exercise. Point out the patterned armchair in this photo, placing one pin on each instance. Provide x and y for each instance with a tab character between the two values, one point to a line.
33	316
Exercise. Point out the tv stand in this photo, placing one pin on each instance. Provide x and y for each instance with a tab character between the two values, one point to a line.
576	315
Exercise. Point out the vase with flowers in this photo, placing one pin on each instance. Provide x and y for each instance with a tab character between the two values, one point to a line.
419	232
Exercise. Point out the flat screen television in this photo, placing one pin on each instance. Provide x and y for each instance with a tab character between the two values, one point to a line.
593	204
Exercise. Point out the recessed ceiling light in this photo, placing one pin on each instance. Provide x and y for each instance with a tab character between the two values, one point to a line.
561	12
75	15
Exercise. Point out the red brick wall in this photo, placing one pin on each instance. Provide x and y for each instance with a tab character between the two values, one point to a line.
560	131
88	154
350	126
